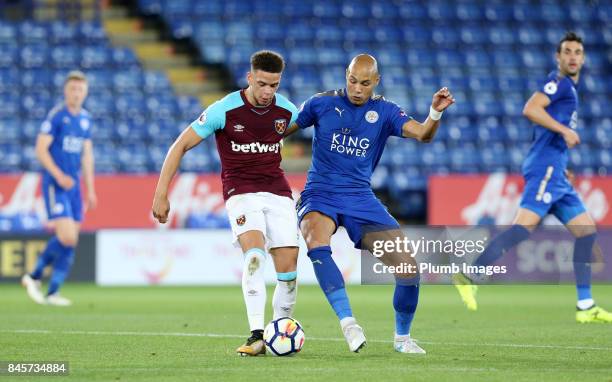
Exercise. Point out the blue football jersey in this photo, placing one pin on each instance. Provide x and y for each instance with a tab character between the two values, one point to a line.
69	133
348	139
549	148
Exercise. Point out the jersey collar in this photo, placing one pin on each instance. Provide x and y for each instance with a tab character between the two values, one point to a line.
257	109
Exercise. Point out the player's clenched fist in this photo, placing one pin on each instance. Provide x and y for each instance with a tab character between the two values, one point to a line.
442	99
160	209
571	137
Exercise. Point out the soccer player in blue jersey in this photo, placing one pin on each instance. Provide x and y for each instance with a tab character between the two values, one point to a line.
553	110
351	128
64	149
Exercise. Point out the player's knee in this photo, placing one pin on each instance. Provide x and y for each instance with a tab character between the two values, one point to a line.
315	237
68	239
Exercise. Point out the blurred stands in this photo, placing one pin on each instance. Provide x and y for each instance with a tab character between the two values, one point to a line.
136	112
491	54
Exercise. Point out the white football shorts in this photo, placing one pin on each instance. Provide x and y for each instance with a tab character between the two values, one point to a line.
271	214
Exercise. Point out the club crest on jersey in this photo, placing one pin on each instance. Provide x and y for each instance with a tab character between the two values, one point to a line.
240	220
371	116
202	118
85	124
280	125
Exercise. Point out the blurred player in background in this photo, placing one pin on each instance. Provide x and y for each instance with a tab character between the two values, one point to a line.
351	128
64	148
249	125
553	110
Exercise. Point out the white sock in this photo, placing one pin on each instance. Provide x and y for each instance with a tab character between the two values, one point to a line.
585	304
346	321
284	298
254	287
400	338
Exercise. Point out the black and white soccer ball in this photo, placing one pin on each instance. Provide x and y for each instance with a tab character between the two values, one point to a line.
284	336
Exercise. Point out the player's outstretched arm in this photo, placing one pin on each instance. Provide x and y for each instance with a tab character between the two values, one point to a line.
87	165
43	141
187	140
424	132
535	111
292	129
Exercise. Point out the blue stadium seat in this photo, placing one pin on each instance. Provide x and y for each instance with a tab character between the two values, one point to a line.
470	11
355	11
441	11
10	155
128	80
91	33
95	57
417	35
9	130
498	12
29	129
62	33
189	107
502	35
8	33
209	31
526	12
36	79
31	32
9	56
124	58
34	56
65	57
473	35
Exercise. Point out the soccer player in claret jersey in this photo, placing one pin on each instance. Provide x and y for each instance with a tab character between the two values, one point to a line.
63	147
351	127
248	126
553	110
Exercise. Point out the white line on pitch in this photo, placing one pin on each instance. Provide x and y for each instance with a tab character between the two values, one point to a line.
217	335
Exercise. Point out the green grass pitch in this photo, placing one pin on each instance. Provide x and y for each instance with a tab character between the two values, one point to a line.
190	333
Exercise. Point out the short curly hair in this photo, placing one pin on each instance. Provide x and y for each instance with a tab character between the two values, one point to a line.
268	61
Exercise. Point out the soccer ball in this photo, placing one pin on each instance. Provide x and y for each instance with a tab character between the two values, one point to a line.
284	336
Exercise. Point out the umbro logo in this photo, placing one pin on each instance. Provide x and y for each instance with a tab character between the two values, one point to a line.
339	111
238	128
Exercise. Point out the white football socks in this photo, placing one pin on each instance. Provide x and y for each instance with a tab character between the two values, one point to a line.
585	304
254	287
284	298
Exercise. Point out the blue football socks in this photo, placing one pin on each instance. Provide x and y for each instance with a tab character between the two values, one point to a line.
46	257
405	301
501	243
583	248
330	280
61	267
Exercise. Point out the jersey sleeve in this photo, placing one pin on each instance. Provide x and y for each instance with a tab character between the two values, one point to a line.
555	88
287	105
211	120
51	124
307	115
396	118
